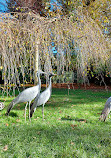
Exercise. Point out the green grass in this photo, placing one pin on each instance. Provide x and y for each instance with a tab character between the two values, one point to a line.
71	128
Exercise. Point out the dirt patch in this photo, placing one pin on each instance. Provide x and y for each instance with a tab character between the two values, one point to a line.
75	86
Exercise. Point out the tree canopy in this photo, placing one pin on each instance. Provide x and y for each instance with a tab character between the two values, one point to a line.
67	37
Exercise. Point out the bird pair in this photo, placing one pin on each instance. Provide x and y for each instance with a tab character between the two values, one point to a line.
30	93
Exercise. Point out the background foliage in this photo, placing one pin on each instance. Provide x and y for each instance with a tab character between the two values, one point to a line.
68	36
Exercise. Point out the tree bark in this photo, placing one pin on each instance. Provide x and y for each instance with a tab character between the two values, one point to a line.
36	61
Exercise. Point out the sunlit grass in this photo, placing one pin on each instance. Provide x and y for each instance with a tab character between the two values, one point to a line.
71	128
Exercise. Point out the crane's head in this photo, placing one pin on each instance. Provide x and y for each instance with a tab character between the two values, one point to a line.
40	72
51	74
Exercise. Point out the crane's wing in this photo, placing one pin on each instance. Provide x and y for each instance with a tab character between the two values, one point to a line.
40	99
106	110
28	94
25	96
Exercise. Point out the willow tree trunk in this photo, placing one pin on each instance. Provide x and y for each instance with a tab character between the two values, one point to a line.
36	61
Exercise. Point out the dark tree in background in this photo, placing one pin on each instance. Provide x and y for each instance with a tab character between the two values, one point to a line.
37	6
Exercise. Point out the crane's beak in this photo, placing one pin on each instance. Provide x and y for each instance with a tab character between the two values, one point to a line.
42	72
52	74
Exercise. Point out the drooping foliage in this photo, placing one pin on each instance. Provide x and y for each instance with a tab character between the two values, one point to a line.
65	43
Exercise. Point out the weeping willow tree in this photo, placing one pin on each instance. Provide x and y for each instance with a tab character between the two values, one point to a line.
28	42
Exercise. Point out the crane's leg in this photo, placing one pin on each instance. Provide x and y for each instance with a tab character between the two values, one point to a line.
29	110
43	112
25	110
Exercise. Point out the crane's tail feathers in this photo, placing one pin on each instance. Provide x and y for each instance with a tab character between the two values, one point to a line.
31	112
103	117
104	114
33	106
9	108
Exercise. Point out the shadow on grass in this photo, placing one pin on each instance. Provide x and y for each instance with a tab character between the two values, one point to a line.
72	119
13	114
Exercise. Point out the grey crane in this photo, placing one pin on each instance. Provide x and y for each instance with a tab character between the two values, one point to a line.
42	98
106	110
27	95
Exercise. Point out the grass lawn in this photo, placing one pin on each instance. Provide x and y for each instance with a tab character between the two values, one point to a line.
71	128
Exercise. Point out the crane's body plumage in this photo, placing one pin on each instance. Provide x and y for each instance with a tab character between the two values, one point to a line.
106	110
42	98
26	96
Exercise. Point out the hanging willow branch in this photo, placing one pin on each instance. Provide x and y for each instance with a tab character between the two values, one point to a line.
78	42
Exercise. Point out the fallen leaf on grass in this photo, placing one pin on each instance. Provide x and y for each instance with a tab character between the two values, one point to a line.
5	148
36	118
60	111
82	120
72	143
98	145
57	130
73	106
7	124
17	120
38	132
73	125
34	137
66	99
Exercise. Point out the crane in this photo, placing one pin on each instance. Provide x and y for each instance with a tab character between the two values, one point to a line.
27	95
106	110
42	98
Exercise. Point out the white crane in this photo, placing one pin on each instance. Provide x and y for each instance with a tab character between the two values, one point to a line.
27	95
42	98
106	110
